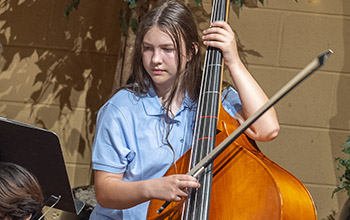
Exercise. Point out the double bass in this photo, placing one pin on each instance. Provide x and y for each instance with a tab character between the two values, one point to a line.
241	183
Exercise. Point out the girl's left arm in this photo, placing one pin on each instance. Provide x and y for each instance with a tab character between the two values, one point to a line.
266	128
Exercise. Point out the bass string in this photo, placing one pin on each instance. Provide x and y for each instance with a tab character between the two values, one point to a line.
209	96
206	121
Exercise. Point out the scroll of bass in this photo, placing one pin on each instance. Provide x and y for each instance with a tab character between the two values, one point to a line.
246	185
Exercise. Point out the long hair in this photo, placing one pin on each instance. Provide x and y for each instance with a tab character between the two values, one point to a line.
20	192
177	21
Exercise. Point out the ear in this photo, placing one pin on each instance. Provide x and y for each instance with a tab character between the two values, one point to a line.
194	50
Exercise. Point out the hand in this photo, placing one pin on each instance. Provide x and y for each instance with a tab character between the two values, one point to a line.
172	188
221	36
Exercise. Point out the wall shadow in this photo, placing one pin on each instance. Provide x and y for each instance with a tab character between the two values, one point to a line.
56	73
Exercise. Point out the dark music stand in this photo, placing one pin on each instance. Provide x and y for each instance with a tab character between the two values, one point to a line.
39	151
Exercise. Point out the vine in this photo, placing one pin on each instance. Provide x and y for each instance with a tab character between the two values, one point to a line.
345	164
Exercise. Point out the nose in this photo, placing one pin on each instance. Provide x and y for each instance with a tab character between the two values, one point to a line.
156	57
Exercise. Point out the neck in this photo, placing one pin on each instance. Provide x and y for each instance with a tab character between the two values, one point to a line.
162	93
164	96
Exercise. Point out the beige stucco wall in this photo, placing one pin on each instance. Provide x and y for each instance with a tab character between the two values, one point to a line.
57	72
314	117
72	63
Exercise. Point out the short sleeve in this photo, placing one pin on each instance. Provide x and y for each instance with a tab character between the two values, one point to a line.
231	101
110	152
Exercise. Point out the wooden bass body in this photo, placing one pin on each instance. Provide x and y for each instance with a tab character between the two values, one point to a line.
246	185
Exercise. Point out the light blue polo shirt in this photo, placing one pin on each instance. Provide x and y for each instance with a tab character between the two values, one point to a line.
131	139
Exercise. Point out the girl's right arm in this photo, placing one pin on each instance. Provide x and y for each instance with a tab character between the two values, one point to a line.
114	193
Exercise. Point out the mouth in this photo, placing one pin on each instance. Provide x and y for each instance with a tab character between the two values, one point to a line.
157	71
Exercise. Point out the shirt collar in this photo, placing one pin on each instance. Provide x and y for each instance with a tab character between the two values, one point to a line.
152	105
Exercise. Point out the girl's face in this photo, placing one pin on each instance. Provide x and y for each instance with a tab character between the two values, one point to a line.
159	58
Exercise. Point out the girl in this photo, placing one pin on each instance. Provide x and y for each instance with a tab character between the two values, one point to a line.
148	124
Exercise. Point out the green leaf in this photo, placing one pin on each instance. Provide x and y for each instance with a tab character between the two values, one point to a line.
262	2
337	190
123	23
75	4
237	2
67	11
134	25
69	7
346	150
132	5
344	162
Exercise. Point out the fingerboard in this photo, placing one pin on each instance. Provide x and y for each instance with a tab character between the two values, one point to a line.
197	206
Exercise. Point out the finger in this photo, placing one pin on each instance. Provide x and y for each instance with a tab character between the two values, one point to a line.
215	37
218	23
214	44
185	190
177	198
189	184
185	177
187	181
216	30
223	25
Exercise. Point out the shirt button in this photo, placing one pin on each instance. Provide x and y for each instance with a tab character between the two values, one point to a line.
181	140
177	124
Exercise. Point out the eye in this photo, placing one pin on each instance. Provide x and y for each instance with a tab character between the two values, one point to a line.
146	48
168	49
